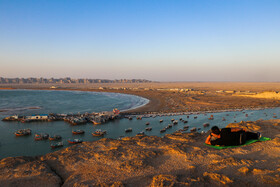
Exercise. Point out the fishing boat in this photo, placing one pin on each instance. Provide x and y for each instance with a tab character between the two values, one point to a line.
148	128
128	130
56	145
99	132
42	136
23	132
211	117
55	137
193	129
140	133
79	131
95	122
75	141
206	125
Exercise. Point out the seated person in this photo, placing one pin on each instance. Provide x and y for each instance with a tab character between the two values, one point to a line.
230	136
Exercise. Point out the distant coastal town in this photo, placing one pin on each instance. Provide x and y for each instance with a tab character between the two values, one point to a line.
66	80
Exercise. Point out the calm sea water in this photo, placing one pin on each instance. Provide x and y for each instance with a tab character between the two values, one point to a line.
26	102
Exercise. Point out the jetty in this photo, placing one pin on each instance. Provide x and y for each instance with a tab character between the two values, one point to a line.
73	119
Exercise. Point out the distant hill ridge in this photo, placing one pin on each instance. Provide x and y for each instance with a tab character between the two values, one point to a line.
67	80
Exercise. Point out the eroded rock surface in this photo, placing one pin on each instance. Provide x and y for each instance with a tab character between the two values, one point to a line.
174	160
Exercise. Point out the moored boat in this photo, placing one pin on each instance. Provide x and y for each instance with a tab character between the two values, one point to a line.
206	125
23	132
193	129
42	136
56	145
79	131
99	132
128	130
148	128
75	141
54	137
140	133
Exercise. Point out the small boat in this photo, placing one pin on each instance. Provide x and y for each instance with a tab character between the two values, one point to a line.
56	145
193	129
120	137
43	136
23	132
99	132
185	121
130	118
186	127
128	130
175	122
75	141
224	119
180	119
140	133
95	122
162	130
206	125
55	137
172	120
148	128
147	123
274	116
211	118
188	116
195	117
161	120
79	131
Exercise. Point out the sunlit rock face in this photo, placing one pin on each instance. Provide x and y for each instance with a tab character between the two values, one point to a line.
173	160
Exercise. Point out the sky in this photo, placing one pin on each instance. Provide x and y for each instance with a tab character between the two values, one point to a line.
160	40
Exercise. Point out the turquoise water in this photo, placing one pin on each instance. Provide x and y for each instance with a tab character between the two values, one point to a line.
24	101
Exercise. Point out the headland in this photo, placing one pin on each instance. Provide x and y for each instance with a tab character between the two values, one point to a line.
179	159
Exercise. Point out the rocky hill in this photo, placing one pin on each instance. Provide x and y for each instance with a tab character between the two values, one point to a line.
174	160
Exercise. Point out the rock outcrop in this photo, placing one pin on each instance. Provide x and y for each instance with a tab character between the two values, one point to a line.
179	159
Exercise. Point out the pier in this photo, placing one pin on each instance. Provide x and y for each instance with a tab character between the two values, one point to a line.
73	119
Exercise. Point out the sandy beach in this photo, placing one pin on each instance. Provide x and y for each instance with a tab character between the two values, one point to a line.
164	98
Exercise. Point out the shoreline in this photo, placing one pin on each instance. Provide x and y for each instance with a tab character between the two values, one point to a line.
153	105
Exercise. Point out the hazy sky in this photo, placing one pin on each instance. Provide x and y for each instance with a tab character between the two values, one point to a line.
172	40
